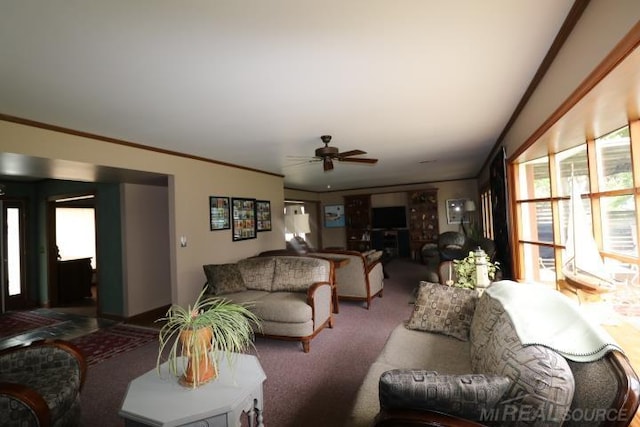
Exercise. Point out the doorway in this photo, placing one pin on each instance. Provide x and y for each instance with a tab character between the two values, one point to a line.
73	261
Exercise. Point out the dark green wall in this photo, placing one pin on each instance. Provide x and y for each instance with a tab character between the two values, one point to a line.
108	239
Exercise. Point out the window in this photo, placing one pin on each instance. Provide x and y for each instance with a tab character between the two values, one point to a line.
602	170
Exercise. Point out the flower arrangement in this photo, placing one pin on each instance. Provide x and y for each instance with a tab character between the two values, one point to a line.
466	269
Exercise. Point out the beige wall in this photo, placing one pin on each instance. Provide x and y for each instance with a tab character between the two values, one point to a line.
146	255
191	184
394	196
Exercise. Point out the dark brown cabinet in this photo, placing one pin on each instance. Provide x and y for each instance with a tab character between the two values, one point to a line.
74	280
357	211
423	219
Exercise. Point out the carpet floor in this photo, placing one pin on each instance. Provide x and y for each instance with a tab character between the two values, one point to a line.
315	389
106	343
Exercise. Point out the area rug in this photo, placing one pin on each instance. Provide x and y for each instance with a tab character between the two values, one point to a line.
105	343
16	322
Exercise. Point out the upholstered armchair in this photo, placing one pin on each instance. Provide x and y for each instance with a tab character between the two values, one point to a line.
40	384
361	279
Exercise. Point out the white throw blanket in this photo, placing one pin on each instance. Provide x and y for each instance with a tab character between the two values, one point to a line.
543	316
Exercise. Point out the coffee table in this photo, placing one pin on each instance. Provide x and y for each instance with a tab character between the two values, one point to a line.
152	400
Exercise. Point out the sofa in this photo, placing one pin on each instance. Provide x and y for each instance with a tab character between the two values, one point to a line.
40	384
517	355
361	279
291	295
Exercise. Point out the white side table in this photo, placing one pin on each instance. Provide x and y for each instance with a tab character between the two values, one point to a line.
154	401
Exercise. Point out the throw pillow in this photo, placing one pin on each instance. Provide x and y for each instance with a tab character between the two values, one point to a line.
257	272
443	309
542	380
223	278
296	274
373	257
466	396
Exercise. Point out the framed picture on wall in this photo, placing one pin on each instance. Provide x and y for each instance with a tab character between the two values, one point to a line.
334	216
219	213
455	211
243	212
263	215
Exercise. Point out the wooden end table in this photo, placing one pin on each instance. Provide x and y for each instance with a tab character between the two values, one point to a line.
154	401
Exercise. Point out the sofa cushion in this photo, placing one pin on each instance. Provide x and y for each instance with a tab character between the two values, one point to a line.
467	396
257	273
223	278
296	274
541	379
285	307
444	310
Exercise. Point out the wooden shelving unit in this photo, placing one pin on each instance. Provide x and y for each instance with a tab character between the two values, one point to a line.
357	211
423	219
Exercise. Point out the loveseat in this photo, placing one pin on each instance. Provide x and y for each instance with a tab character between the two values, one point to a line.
361	278
518	355
40	384
291	295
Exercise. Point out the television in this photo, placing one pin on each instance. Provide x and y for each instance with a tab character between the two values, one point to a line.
389	217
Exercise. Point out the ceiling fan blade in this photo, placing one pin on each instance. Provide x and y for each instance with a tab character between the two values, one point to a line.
300	157
302	162
352	153
358	160
327	164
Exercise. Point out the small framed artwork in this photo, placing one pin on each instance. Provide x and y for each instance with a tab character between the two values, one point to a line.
219	213
334	216
455	211
243	212
263	215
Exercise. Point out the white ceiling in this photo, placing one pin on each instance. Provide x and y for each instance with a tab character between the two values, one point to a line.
255	82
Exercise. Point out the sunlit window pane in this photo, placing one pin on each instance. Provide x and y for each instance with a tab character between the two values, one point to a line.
573	163
619	225
13	251
622	272
534	179
539	264
75	233
536	221
565	211
614	160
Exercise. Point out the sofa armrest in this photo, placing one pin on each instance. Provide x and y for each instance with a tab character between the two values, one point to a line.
319	297
26	400
375	277
412	418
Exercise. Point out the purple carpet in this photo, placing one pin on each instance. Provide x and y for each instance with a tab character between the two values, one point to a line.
14	323
302	389
108	342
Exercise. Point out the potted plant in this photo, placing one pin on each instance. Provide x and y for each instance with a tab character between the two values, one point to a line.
211	328
466	272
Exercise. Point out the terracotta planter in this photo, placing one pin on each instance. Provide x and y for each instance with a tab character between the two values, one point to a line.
201	367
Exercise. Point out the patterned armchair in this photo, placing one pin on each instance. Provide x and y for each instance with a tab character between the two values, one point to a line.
40	384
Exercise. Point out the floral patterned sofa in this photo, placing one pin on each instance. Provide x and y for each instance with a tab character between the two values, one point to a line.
292	295
40	384
518	355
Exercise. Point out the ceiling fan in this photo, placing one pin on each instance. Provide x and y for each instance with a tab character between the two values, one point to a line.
328	154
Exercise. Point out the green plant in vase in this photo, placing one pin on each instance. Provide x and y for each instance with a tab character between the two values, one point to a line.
466	269
211	328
